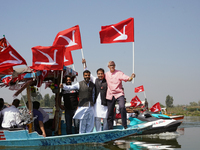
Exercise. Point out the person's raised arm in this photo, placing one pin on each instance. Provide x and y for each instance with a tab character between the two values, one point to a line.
84	63
131	77
69	87
92	78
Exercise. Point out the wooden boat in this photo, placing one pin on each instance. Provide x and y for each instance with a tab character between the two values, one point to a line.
24	138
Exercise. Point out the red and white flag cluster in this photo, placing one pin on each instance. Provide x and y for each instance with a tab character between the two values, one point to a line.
54	57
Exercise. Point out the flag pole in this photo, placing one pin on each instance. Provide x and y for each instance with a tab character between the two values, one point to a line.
133	61
82	57
61	79
145	95
73	67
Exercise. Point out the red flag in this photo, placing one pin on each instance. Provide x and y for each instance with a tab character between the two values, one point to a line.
3	44
6	70
139	89
68	58
48	58
70	38
10	57
42	77
135	102
6	79
119	32
156	107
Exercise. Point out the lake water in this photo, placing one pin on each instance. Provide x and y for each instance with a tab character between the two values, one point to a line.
186	138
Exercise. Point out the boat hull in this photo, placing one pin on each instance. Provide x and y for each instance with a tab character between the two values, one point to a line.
169	128
23	138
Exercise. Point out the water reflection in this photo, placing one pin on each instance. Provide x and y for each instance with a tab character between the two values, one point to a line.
155	141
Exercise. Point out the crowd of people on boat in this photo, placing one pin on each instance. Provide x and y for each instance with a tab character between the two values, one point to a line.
93	99
86	103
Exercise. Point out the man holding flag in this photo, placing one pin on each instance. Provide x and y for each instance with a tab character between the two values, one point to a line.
115	93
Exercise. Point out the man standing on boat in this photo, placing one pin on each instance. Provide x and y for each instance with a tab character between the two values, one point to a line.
70	99
100	103
85	111
115	93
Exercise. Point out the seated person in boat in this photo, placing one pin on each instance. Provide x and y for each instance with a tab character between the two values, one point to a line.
38	122
85	111
46	120
11	115
2	101
100	103
70	99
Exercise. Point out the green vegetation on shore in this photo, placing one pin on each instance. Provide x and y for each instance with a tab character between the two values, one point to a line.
193	109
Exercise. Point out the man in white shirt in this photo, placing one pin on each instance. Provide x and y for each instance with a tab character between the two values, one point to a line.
11	115
85	111
100	103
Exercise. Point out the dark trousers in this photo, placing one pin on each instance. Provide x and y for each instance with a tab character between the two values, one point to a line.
68	118
122	109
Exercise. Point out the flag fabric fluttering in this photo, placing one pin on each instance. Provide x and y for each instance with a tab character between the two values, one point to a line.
48	58
68	60
156	107
6	79
119	32
9	58
6	70
70	38
135	102
139	89
3	44
42	77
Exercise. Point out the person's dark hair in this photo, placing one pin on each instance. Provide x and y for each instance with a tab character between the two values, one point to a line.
86	71
16	102
36	105
67	76
1	105
100	69
1	100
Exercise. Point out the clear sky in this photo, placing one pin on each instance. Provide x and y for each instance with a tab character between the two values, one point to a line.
167	35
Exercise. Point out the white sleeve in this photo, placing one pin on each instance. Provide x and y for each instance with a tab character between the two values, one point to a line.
92	78
71	87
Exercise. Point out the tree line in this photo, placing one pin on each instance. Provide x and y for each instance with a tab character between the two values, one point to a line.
46	101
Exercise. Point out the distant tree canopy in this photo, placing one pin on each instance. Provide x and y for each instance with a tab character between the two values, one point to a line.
193	104
169	101
47	101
